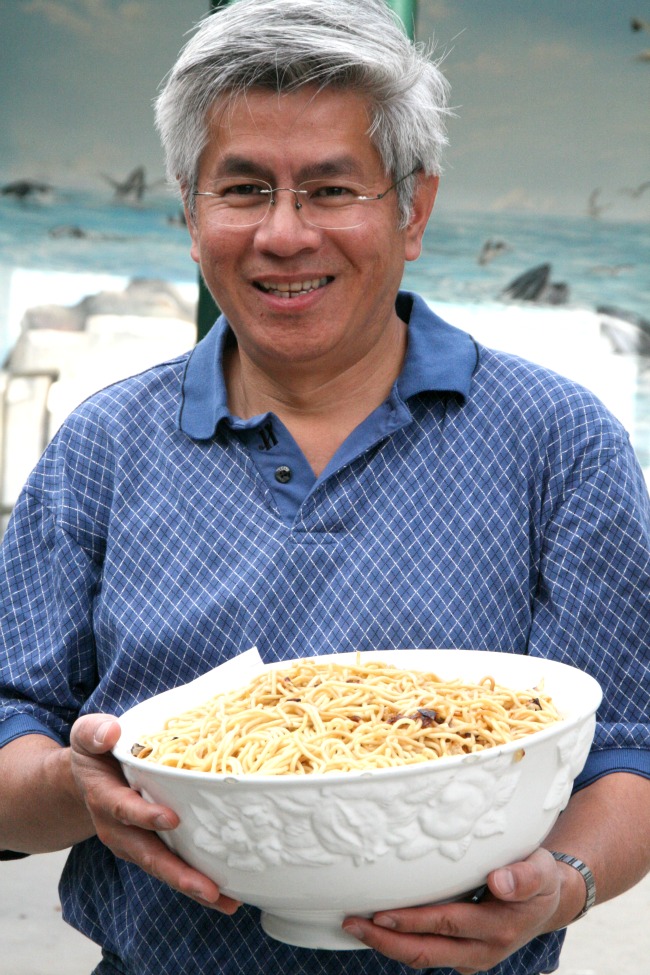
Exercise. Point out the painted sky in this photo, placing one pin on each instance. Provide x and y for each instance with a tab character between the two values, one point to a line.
551	96
552	102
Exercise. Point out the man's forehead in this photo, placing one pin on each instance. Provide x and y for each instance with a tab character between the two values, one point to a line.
231	104
322	110
325	131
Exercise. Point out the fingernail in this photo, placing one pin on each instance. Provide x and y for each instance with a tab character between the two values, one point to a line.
200	895
162	822
504	881
353	928
101	731
385	921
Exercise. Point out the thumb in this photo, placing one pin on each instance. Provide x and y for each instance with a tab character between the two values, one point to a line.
94	734
502	883
523	880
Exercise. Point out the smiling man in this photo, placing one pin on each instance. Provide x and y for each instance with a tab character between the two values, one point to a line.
332	468
306	259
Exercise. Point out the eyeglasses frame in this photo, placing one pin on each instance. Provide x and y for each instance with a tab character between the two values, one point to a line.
298	205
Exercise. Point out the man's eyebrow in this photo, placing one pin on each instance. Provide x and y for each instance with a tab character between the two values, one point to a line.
242	166
335	166
234	165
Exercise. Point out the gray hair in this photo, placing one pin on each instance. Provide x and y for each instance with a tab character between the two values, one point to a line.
284	45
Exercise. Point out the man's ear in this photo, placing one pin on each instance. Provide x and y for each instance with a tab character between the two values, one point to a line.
423	200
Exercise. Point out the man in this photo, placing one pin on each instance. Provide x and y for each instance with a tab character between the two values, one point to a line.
333	467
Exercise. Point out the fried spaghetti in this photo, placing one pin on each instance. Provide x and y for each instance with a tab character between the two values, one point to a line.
326	717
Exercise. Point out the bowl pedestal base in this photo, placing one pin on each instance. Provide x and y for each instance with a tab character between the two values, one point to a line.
311	929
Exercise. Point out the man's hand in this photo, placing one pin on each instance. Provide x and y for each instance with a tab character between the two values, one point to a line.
124	821
521	902
606	825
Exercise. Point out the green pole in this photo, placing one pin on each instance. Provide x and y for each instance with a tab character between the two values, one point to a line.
407	11
208	311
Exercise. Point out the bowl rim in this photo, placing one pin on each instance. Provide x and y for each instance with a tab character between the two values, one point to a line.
591	690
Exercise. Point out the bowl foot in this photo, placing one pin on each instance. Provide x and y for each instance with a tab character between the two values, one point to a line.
311	929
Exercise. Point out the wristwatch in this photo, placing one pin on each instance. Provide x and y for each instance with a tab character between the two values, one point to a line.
587	876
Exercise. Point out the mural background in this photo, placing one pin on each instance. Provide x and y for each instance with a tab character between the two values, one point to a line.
551	98
549	156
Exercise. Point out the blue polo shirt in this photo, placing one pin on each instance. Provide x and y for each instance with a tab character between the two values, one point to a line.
488	504
275	453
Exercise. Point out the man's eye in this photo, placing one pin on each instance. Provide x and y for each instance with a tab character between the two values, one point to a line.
333	194
331	191
241	189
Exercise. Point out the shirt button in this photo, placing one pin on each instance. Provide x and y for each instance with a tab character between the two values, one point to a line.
283	474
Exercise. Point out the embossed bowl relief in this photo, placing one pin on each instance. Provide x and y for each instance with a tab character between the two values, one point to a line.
310	850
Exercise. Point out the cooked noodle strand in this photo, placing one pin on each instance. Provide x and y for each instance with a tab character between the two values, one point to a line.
325	717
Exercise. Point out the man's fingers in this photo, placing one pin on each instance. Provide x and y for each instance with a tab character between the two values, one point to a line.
125	822
99	778
111	799
147	851
463	936
424	950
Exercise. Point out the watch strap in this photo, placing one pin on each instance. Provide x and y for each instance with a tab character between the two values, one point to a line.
587	876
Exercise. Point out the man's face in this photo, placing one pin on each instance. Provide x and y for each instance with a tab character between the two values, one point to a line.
349	278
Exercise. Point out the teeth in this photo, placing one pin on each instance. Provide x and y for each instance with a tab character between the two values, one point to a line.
290	289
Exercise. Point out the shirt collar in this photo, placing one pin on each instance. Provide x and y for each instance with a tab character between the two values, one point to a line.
440	358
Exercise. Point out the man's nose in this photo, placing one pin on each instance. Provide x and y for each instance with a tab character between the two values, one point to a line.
284	227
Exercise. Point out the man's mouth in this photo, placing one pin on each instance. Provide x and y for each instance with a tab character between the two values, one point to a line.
291	289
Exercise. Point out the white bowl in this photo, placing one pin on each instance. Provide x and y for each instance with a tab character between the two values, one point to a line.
311	850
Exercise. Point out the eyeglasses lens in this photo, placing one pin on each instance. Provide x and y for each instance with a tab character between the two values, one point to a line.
243	202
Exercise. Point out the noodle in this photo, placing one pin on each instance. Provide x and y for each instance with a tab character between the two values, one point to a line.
325	717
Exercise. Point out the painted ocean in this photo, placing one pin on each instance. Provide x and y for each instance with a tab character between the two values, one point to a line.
602	262
61	248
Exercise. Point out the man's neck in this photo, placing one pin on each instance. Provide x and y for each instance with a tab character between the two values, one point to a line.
320	406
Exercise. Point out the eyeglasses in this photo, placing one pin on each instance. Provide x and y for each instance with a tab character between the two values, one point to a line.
330	204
